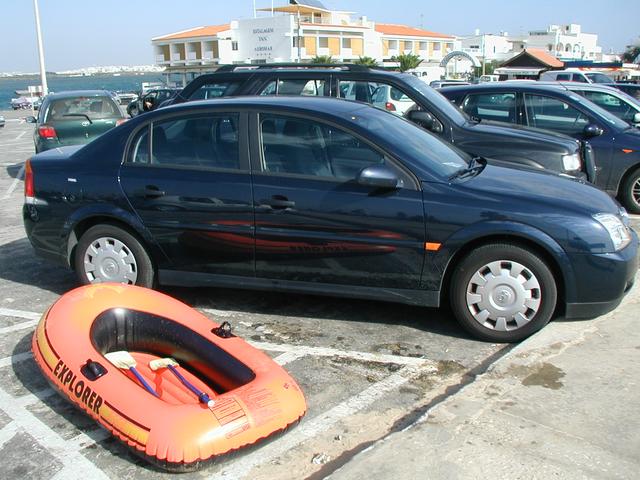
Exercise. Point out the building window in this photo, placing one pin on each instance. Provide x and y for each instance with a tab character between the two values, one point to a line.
234	46
317	18
295	42
323	42
393	44
408	46
346	43
423	46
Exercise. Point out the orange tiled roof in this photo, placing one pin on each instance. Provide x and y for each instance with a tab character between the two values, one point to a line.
392	29
208	31
544	57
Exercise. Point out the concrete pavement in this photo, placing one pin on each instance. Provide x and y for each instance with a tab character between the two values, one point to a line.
563	404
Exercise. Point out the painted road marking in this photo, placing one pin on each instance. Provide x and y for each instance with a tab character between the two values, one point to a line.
73	460
17	358
8	432
14	184
20	136
317	425
9	312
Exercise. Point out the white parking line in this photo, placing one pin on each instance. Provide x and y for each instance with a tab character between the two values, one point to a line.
9	312
8	432
14	184
18	326
17	358
20	136
318	424
64	452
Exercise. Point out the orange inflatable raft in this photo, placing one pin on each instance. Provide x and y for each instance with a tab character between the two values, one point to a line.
219	395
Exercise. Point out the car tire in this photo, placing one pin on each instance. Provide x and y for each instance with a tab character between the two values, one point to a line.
106	253
503	293
630	194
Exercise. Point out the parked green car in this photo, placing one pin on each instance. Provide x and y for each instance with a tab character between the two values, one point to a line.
75	118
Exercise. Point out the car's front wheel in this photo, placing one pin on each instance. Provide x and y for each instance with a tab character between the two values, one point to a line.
106	253
630	194
503	293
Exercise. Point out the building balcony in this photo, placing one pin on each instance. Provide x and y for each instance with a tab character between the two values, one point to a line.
160	60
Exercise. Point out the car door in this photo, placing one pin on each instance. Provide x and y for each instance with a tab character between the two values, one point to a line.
615	104
187	178
315	224
551	113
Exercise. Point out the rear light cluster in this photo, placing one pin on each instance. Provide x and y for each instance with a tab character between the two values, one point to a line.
390	107
29	189
47	131
121	121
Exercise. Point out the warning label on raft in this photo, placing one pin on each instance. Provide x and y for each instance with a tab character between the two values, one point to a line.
231	415
263	404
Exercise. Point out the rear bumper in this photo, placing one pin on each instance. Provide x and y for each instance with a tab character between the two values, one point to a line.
602	281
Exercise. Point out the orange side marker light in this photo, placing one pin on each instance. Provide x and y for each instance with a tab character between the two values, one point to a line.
432	247
627	150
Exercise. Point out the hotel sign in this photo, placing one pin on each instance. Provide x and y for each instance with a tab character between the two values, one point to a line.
266	38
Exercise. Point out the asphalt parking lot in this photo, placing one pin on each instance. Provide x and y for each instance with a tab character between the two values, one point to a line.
367	368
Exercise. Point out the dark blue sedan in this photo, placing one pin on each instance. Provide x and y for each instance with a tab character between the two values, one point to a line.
329	197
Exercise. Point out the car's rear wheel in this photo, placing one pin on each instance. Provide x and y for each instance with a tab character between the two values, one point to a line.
630	194
503	293
106	253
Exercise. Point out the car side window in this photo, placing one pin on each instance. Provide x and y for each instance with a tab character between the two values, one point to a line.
197	142
578	77
298	146
380	95
500	107
214	90
314	87
611	103
553	114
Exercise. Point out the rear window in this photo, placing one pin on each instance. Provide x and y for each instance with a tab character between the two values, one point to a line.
74	108
215	90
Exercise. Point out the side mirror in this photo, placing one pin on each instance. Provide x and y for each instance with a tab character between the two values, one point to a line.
592	130
30	119
426	120
379	176
636	118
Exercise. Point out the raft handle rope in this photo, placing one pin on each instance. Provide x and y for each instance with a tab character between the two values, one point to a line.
224	330
125	361
171	364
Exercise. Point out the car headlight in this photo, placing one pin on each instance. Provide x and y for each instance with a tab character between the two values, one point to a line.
618	232
571	162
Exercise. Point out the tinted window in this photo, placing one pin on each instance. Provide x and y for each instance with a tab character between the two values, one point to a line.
377	94
599	78
79	108
214	90
203	142
304	147
612	103
554	114
578	77
500	107
563	77
297	86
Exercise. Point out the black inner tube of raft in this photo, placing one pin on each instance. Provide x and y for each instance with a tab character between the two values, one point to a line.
136	331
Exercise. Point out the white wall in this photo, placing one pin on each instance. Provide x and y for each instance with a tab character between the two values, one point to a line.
267	38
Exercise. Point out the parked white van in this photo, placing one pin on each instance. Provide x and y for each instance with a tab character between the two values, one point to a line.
575	76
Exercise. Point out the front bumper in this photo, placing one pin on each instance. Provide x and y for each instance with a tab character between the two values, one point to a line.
602	281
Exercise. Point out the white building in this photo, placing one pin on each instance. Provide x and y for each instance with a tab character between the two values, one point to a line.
566	42
488	46
294	33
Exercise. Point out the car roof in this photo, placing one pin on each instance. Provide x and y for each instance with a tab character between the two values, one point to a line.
551	87
79	93
329	105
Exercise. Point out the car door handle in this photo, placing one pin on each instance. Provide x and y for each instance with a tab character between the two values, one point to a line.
151	191
278	202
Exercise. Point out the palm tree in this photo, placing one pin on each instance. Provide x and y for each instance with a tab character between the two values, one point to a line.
367	61
323	59
407	61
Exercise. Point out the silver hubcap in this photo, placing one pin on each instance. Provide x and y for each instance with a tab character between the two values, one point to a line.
109	260
503	295
635	191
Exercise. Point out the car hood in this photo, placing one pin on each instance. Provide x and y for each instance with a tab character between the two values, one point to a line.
512	187
521	132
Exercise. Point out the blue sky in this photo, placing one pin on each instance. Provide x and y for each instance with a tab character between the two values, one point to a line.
81	33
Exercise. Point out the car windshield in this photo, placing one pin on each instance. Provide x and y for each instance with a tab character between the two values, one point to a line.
411	141
437	100
604	115
74	108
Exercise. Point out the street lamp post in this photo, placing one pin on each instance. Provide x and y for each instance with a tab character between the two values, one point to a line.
43	74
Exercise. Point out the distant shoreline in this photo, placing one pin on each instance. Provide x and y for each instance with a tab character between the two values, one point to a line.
34	76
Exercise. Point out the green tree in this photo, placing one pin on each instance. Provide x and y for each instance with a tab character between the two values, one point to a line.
407	61
631	53
367	61
323	59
